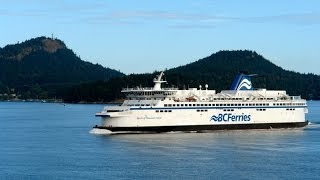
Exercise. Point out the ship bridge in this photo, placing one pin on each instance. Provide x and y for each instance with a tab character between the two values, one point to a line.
156	91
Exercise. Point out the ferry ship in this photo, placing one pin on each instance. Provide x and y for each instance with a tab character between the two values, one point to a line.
158	109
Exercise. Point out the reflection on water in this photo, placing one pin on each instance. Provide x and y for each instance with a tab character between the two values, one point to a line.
253	139
276	153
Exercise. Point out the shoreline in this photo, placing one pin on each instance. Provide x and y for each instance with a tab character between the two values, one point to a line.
59	101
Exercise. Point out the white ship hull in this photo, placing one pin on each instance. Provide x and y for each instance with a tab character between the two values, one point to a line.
180	119
162	110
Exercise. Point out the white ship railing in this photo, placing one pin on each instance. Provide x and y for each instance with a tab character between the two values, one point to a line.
116	108
146	88
295	97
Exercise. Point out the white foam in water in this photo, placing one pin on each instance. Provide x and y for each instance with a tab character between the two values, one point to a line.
100	131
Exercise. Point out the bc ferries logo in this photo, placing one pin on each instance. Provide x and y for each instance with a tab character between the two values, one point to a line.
230	117
244	84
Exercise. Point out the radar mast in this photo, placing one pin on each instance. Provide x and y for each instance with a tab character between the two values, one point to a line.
157	81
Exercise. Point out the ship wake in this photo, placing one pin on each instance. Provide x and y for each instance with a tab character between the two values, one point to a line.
100	131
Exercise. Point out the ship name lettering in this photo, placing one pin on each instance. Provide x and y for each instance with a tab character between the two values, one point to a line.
227	117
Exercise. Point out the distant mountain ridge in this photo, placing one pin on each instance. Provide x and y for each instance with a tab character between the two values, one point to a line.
46	68
20	50
220	68
216	70
47	65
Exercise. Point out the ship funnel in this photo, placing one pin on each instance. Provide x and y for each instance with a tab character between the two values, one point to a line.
242	82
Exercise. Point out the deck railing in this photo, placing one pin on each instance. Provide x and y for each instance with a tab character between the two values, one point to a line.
146	88
295	97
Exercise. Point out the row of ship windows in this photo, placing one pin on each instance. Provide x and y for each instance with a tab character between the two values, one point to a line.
228	110
202	110
215	99
290	109
185	105
151	93
164	110
247	104
244	99
141	104
206	110
146	98
289	104
190	105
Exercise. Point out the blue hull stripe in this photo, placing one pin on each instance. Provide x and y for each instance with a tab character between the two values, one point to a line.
204	128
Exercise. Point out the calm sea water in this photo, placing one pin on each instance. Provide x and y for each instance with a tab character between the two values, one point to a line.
53	141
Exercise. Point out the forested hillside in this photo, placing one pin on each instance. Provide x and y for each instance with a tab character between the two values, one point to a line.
217	70
45	68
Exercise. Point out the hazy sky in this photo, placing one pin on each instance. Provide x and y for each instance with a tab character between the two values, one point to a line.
143	36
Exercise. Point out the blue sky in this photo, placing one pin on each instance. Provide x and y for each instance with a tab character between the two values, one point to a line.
143	36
